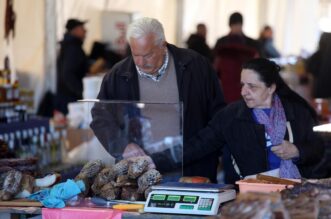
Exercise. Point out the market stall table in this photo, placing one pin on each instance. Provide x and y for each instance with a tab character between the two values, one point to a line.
9	211
79	213
95	213
105	213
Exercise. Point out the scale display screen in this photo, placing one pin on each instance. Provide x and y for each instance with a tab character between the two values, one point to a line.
203	202
183	201
177	198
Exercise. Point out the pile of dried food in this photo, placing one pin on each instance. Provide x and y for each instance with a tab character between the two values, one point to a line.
15	184
309	199
127	180
255	205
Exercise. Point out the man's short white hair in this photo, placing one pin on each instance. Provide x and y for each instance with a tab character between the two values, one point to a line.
144	26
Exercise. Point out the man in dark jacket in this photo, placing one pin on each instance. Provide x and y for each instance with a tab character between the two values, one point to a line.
236	35
160	72
72	65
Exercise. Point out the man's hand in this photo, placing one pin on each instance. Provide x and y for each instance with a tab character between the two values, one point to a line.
286	150
132	150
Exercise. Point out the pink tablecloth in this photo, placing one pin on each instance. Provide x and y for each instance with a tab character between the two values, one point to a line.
80	213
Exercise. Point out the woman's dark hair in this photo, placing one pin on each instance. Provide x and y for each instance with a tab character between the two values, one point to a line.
268	72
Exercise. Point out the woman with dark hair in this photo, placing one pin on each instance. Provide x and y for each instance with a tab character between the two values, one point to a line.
269	129
265	40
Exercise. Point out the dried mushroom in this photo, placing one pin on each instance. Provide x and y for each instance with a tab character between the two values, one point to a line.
12	182
3	176
92	168
105	176
124	180
121	168
151	177
110	192
137	167
131	194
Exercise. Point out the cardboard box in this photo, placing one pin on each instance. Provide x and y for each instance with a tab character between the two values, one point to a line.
76	137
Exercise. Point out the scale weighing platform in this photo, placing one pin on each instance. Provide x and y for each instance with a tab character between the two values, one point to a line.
188	198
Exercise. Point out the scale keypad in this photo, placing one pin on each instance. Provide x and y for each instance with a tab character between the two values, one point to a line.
205	204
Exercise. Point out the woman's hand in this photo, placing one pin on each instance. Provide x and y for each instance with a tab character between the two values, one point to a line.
286	150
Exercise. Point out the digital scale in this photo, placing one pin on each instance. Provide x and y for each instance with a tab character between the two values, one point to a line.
188	198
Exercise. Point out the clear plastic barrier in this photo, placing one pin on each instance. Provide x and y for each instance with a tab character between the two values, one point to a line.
128	129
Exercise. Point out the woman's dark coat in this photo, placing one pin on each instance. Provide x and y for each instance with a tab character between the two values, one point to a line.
235	130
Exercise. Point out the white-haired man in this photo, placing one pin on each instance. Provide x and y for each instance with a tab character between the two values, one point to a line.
157	71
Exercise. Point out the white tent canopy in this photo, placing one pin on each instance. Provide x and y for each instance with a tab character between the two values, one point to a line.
40	25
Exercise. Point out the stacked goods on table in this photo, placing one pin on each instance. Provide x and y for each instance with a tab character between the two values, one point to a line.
255	205
310	199
14	184
127	180
24	165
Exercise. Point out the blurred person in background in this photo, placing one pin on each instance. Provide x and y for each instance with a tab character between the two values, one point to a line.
319	65
236	35
72	65
102	59
231	51
197	41
268	49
